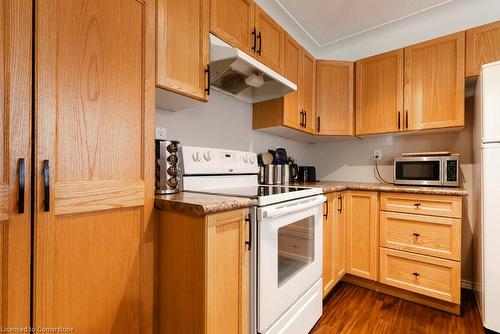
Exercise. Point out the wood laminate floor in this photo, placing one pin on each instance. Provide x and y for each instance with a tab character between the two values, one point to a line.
352	309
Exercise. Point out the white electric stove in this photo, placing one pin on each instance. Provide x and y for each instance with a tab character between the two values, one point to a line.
287	226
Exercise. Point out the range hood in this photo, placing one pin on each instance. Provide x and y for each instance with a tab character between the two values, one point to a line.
236	73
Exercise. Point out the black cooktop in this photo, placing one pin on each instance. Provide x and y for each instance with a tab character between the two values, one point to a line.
255	191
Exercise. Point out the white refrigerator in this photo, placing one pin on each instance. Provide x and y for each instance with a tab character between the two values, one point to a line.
486	161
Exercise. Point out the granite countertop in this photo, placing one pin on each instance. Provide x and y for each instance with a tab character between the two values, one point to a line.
196	204
333	186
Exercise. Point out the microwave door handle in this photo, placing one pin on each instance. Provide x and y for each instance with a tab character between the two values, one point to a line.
296	207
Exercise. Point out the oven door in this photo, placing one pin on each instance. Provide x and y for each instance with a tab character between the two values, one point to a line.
289	257
426	171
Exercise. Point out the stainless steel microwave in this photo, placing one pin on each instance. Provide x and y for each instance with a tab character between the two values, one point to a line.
427	171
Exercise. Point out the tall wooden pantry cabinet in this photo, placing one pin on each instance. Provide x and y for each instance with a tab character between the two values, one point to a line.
15	162
92	164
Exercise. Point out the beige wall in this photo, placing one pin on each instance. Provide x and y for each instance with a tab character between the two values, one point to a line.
352	160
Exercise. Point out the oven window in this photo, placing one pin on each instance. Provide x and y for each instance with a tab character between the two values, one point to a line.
418	170
295	248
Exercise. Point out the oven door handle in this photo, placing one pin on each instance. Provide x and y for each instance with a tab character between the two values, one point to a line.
293	207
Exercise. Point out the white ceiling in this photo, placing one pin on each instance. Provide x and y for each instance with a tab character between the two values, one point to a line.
330	21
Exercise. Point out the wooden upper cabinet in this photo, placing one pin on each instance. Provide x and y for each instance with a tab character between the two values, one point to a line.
334	97
362	234
379	93
15	154
94	145
482	47
233	22
435	83
269	40
307	90
292	52
182	46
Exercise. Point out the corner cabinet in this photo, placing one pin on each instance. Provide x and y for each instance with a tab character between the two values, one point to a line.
482	47
307	91
334	98
182	47
379	93
296	110
362	241
93	166
203	266
15	161
434	83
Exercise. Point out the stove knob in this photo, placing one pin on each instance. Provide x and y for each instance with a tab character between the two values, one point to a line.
196	156
245	159
252	160
207	156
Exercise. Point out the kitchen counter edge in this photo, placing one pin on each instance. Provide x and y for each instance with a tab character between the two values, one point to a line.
196	204
331	186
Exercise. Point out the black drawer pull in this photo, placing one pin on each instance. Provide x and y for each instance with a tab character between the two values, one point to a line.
416	235
259	37
326	211
416	274
46	186
207	72
254	34
22	183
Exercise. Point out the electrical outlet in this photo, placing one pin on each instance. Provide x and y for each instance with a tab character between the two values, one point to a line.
161	133
377	154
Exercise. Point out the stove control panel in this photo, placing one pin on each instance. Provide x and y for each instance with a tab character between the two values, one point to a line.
204	160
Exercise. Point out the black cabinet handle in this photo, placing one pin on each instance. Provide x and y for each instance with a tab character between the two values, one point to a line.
417	205
340	204
416	235
327	211
46	186
22	178
207	72
399	120
416	275
302	118
407	119
259	37
254	34
305	118
249	242
319	123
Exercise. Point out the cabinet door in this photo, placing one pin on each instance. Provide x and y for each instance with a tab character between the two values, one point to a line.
339	237
291	113
226	273
307	90
334	97
435	83
233	21
270	39
182	46
15	144
379	93
362	234
94	130
482	47
328	244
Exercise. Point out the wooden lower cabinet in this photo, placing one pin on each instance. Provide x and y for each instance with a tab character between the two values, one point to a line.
362	228
430	276
203	273
420	239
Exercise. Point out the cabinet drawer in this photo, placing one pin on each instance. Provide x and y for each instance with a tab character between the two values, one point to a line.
426	275
443	206
427	235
